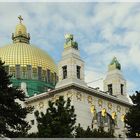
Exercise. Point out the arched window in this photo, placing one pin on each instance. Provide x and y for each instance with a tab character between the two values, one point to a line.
102	120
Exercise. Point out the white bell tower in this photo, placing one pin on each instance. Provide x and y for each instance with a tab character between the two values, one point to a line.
114	82
71	66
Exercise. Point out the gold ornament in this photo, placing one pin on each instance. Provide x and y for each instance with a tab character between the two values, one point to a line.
109	105
114	115
100	102
56	97
69	94
92	109
41	105
79	96
118	108
103	112
89	99
122	117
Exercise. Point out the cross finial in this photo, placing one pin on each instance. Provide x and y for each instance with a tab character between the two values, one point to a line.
20	18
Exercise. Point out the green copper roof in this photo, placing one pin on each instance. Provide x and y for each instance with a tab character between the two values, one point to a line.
116	63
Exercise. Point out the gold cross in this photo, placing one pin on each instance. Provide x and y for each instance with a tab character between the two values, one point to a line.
20	18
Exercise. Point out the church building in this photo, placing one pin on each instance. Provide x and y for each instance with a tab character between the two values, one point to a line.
35	72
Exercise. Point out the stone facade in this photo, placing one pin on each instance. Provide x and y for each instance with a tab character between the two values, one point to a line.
85	100
93	107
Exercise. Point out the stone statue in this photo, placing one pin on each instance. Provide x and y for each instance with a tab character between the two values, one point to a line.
70	42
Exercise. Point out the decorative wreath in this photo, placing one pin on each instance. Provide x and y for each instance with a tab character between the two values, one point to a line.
92	109
118	108
109	105
100	102
69	94
89	99
41	105
79	96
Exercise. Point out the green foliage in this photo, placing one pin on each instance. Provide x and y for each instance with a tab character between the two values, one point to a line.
58	121
12	114
132	118
92	133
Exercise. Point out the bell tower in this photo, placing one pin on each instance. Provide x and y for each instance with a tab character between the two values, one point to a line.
114	82
71	66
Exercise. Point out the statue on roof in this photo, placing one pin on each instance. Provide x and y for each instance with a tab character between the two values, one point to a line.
70	42
116	63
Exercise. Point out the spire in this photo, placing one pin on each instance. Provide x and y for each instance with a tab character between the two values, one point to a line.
20	34
114	64
70	43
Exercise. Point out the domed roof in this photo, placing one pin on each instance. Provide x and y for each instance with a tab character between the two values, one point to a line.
26	54
30	66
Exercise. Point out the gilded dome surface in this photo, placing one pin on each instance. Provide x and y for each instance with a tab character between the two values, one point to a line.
32	69
25	54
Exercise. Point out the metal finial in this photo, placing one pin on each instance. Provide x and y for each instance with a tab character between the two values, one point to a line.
20	18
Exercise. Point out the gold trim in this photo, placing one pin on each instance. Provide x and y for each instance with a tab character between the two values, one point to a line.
100	102
103	112
109	105
41	105
89	99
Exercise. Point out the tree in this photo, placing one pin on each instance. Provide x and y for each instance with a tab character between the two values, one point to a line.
132	118
12	114
92	133
58	121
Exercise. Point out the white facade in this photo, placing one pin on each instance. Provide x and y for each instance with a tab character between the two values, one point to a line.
91	105
71	59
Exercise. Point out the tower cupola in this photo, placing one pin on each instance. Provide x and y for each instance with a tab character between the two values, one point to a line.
21	34
71	66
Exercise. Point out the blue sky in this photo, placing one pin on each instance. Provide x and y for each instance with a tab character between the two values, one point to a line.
102	30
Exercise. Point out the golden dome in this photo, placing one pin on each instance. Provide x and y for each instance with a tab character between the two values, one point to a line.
26	54
28	64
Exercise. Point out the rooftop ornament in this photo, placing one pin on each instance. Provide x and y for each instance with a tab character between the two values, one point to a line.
70	43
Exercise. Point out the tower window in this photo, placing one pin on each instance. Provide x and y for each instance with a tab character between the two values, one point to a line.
78	72
122	86
64	68
110	89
